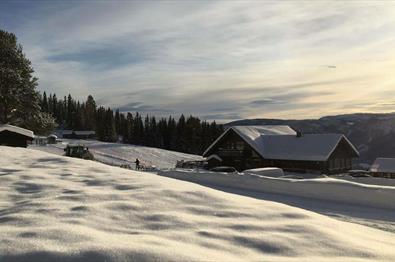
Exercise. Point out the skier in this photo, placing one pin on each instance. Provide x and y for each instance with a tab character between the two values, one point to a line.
137	164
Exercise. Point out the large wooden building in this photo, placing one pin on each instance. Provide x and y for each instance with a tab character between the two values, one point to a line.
15	136
78	134
246	147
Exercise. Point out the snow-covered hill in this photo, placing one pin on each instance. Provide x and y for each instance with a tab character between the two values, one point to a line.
55	208
119	154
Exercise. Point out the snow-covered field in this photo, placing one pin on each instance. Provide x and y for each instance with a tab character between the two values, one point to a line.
324	189
120	154
55	208
353	201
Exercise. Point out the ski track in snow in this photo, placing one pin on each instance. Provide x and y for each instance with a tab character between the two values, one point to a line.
55	208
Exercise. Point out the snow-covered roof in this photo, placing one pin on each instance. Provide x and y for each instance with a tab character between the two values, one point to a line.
40	137
311	147
67	132
282	142
254	132
90	132
16	129
266	171
251	133
385	165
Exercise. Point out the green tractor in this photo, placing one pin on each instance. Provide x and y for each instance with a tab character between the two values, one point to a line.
78	151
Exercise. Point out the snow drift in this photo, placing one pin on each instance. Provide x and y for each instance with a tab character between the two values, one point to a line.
266	171
327	189
55	208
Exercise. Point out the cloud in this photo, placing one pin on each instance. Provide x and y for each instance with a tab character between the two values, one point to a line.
142	108
221	117
213	58
267	101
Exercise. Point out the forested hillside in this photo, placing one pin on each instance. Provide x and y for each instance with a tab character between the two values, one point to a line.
185	134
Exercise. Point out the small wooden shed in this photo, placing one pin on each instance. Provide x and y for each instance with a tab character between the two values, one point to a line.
51	139
15	136
78	134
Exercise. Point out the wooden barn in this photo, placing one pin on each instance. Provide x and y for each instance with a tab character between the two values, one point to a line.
383	167
66	133
15	136
76	134
246	147
88	134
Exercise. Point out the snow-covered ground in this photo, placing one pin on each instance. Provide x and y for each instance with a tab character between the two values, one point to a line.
368	180
363	203
324	189
117	154
55	208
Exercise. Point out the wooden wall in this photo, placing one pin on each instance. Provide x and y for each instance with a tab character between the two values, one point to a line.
8	138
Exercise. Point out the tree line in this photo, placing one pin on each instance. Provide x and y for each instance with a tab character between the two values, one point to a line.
185	134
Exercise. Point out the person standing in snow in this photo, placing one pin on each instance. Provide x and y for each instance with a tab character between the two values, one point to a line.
137	164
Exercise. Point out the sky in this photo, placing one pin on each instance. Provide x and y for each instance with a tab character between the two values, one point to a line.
219	60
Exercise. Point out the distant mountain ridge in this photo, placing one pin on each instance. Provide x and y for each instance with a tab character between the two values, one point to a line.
373	134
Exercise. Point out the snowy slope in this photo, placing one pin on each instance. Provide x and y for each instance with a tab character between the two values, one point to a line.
119	154
56	208
324	189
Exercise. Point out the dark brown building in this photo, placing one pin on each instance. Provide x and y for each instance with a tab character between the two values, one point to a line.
74	134
246	147
15	136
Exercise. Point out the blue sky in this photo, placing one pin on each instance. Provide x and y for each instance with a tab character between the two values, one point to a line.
220	60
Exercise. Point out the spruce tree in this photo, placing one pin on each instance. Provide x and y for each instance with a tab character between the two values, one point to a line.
117	122
19	99
129	128
44	104
90	113
101	124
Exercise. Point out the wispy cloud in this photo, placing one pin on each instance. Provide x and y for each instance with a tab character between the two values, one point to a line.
216	59
141	107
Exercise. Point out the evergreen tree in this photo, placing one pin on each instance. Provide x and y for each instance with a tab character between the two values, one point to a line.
90	113
55	107
180	135
123	128
172	134
138	130
111	134
50	104
44	104
191	134
129	128
60	116
117	122
70	112
101	124
19	99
